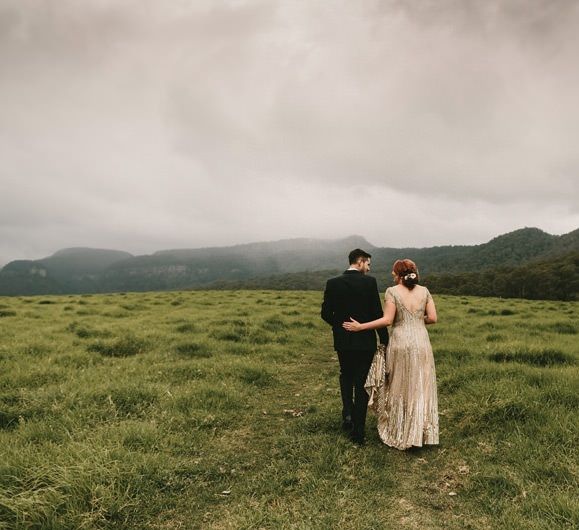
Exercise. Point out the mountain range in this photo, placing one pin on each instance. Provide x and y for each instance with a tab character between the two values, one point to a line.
88	270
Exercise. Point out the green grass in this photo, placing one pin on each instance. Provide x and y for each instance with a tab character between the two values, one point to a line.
221	410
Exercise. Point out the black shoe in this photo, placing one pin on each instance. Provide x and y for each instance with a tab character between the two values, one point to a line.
347	424
358	439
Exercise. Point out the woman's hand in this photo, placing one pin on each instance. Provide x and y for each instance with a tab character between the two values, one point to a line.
352	326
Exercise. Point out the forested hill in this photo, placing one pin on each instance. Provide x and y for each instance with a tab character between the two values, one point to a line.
303	263
70	270
512	249
547	279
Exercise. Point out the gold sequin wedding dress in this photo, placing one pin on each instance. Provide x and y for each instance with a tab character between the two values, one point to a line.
402	387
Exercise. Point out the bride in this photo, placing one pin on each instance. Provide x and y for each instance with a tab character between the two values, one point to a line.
402	381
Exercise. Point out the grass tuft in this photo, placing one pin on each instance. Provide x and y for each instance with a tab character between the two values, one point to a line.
543	357
259	377
185	328
84	332
564	328
16	409
36	349
499	413
121	347
274	324
193	350
497	487
130	400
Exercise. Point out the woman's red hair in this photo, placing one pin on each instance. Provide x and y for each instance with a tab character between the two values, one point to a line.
402	267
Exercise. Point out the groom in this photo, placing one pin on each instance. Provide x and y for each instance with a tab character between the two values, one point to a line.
354	294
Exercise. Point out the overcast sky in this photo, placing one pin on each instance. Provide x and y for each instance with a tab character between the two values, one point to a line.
151	124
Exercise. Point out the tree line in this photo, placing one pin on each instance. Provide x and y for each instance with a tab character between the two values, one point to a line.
553	279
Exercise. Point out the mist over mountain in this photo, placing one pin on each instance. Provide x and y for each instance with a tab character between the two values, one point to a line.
87	270
70	270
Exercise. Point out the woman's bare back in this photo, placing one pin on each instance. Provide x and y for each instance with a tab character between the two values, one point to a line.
413	300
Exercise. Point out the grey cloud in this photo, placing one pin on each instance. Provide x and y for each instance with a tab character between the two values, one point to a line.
458	110
142	124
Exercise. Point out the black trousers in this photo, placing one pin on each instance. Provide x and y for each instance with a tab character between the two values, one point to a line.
354	367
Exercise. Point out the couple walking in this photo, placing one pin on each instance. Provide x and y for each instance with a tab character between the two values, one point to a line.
397	379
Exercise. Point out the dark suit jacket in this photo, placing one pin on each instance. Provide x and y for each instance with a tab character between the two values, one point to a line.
355	295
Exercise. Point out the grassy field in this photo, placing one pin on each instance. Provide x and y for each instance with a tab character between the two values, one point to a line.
221	410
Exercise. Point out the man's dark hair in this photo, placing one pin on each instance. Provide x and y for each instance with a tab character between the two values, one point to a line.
356	254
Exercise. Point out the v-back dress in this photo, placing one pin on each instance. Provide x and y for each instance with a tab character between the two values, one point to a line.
402	387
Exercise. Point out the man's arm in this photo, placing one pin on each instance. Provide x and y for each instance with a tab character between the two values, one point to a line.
377	312
328	305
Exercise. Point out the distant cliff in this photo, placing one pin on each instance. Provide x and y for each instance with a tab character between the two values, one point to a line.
72	270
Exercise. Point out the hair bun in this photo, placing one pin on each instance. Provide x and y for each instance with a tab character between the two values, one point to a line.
406	271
